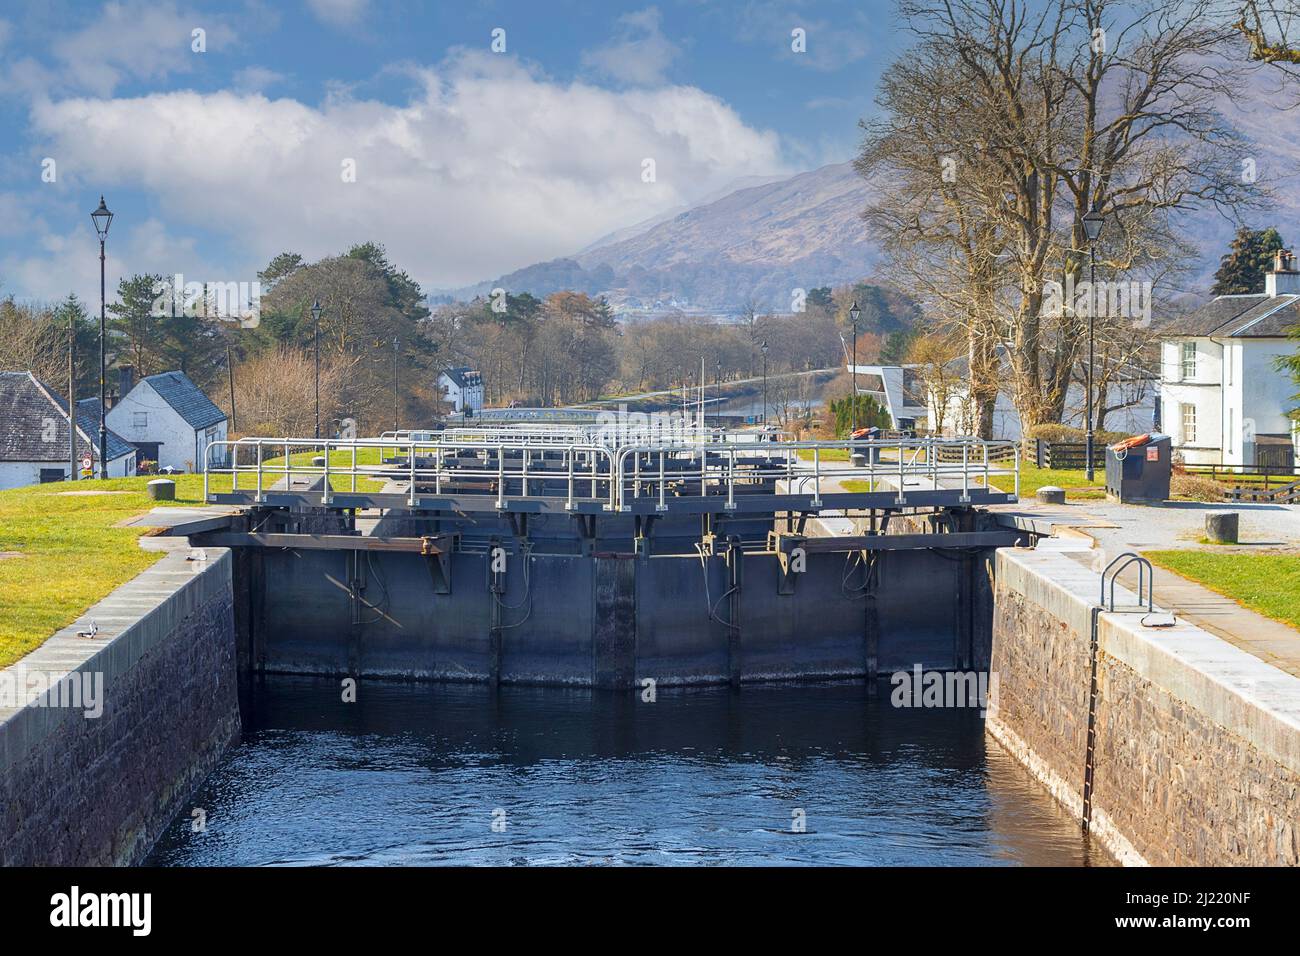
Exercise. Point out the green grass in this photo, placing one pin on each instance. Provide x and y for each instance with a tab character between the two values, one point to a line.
69	554
1075	482
1267	582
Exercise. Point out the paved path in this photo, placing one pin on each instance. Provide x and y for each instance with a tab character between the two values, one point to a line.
1095	532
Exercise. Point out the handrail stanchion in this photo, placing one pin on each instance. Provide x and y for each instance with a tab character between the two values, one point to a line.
663	504
731	478
354	468
261	495
501	478
569	454
410	465
325	490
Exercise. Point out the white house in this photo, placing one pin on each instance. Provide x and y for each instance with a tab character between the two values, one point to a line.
169	420
462	387
1223	399
1130	398
898	388
34	435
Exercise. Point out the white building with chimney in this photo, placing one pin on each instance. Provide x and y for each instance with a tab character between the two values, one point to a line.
1222	397
462	388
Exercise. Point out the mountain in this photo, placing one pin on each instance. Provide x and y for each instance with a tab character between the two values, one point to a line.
757	243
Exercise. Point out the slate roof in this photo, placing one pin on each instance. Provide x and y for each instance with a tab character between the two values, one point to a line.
88	422
31	412
186	399
463	376
1239	316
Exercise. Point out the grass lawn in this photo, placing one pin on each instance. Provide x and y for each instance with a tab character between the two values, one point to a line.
1267	583
1075	482
68	554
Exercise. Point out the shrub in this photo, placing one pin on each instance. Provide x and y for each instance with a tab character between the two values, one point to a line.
1195	487
1055	431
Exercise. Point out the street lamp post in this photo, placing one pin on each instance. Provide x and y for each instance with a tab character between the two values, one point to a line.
1092	223
315	314
763	347
102	219
854	314
717	383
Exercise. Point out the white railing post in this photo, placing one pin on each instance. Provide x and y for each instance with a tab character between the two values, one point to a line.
261	495
410	465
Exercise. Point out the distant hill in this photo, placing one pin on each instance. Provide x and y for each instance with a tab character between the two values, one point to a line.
756	243
760	241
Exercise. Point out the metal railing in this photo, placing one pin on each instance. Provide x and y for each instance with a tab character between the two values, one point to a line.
510	465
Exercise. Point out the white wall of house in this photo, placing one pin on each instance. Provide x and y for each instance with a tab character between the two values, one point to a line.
17	474
1231	391
143	416
1135	419
461	398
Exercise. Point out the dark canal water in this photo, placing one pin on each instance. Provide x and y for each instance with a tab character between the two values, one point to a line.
418	773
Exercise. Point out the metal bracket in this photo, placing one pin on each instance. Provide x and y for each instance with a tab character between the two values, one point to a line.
438	561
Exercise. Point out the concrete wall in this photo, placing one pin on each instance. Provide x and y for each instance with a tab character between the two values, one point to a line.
1198	743
79	790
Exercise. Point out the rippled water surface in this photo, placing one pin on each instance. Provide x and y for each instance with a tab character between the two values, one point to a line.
418	773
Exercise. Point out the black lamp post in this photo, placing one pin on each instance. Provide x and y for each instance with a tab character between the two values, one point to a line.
717	383
394	383
854	314
102	219
763	348
315	314
1092	223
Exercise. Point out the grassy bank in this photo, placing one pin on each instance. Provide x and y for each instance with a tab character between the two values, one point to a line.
63	553
1267	582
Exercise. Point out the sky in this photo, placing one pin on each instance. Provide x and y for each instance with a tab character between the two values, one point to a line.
470	138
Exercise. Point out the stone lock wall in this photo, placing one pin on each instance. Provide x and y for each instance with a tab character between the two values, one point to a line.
1198	742
99	791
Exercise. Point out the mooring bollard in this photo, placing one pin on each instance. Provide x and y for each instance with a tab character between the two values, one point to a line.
318	461
1051	495
1222	527
162	489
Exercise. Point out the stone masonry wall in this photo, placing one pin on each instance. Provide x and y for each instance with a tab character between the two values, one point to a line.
99	791
1198	743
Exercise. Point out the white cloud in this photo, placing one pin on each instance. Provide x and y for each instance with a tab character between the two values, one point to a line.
640	53
137	39
488	168
339	13
256	79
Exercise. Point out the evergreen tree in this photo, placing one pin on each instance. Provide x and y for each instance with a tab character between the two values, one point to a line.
1241	270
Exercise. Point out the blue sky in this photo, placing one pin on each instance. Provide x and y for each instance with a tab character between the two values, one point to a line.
468	162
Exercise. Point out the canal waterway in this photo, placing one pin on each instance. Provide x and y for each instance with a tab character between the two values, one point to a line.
419	774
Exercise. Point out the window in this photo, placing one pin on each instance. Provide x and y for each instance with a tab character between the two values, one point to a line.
52	474
1189	424
139	419
1189	360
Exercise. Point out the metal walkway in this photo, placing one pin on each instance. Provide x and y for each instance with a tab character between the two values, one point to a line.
576	470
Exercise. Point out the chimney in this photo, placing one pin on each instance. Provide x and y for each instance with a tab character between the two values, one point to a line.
1285	278
125	381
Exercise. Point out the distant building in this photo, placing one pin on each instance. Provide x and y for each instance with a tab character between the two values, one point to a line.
168	419
899	390
1130	396
1223	399
34	435
462	388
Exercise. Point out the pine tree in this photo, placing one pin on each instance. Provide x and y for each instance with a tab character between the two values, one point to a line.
1241	270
